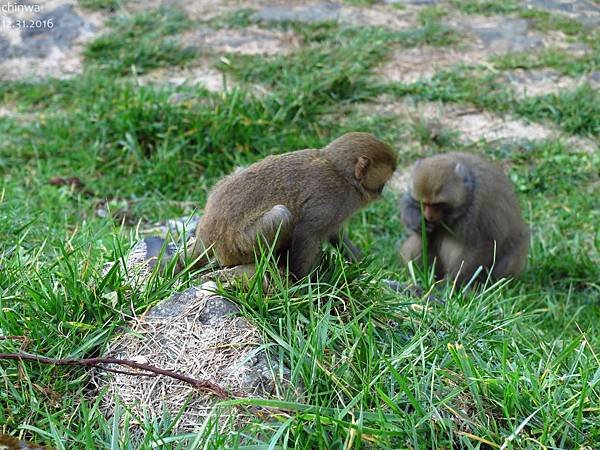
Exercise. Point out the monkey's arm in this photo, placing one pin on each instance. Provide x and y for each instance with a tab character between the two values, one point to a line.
411	214
304	250
343	242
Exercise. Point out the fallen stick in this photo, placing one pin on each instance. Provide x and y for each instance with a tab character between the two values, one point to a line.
204	385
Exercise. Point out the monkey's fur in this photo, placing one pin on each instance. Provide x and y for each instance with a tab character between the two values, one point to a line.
471	211
301	197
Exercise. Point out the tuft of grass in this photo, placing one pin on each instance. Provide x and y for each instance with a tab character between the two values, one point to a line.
576	111
239	18
306	82
461	85
432	30
557	59
102	5
486	7
546	21
361	2
141	42
430	133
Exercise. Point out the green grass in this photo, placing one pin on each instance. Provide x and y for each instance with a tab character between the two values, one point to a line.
545	21
486	7
513	364
574	111
102	5
141	42
577	111
560	60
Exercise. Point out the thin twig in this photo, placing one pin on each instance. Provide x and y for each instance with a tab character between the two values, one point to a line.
96	362
14	338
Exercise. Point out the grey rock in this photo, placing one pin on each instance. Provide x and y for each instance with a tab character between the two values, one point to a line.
571	6
183	226
594	77
156	247
551	5
259	374
320	12
507	35
585	11
67	26
215	309
5	48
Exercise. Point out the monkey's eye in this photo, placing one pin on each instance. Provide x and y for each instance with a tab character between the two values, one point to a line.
443	207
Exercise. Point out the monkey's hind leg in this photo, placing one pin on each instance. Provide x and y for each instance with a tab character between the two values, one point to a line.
512	262
272	228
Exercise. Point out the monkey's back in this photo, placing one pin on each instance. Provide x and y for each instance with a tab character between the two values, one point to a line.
240	199
492	188
496	213
265	183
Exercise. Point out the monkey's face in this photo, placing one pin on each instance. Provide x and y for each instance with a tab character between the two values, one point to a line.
440	189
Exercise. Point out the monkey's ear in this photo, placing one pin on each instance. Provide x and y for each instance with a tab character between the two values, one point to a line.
360	168
462	171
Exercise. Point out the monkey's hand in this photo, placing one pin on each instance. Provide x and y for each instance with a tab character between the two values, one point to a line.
411	215
342	241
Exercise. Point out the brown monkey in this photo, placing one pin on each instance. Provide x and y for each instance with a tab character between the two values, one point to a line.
301	197
472	218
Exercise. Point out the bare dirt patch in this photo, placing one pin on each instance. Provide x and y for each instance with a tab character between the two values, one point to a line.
585	11
202	75
473	124
374	15
246	41
408	65
379	16
210	79
528	83
483	38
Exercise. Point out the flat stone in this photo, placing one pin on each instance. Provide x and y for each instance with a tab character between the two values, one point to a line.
246	41
5	48
320	12
374	15
585	11
594	77
407	65
46	51
500	34
215	309
378	16
530	83
68	25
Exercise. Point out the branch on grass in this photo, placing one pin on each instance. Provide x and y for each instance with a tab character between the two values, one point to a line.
15	338
203	385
